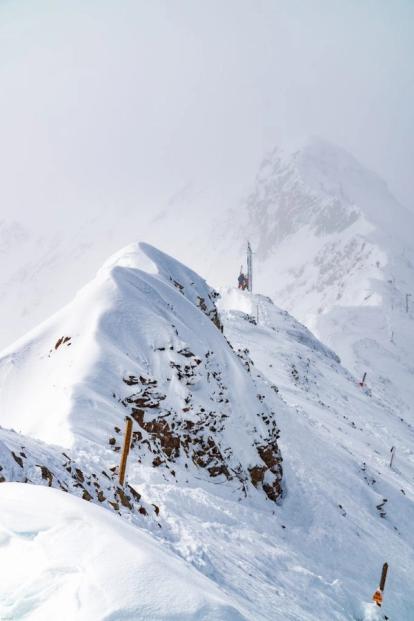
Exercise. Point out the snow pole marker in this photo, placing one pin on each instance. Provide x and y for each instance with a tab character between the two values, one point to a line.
393	449
378	595
362	382
125	449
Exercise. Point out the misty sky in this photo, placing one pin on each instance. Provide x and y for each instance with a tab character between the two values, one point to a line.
119	104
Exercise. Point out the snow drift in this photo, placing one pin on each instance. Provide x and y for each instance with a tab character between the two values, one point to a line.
70	560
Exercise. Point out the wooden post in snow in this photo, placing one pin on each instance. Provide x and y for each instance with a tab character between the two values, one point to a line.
393	449
377	597
125	449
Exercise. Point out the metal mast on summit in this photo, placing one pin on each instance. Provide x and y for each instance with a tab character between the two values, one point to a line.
249	267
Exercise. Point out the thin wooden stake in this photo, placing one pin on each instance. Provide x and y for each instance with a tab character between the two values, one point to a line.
125	449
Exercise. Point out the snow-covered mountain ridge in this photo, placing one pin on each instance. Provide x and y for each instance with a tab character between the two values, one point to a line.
144	339
147	344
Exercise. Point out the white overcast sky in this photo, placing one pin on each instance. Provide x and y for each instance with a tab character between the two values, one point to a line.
110	104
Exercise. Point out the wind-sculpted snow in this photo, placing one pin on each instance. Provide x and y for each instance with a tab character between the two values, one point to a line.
72	560
147	344
169	270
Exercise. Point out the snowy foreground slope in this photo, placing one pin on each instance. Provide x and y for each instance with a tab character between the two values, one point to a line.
335	248
144	339
79	562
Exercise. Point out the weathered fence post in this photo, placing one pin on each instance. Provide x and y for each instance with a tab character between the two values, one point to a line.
125	449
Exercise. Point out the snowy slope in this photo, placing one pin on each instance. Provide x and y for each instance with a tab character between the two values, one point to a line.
345	511
82	563
144	339
25	460
335	248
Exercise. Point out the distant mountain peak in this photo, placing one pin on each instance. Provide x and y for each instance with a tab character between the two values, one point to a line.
324	187
334	247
